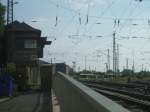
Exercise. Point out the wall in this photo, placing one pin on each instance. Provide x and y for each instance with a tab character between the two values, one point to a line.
46	77
75	97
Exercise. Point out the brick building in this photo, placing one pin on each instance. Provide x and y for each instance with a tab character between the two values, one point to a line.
23	46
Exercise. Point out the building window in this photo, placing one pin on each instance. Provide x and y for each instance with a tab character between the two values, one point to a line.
30	44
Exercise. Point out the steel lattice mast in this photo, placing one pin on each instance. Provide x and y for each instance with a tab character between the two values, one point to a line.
114	55
9	11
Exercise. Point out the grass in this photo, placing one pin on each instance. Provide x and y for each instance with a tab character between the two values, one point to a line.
125	79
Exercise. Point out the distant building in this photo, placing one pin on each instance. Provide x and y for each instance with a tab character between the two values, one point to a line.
23	46
62	67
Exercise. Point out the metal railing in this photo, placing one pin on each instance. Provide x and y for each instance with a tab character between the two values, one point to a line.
73	96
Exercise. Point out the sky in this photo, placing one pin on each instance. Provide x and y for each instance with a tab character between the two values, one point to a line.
76	39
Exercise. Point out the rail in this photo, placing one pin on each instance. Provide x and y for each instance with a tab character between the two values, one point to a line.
73	96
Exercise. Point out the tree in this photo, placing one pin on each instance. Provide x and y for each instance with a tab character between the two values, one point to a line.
11	70
127	72
2	21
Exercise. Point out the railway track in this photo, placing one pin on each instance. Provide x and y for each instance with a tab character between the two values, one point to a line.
133	87
135	102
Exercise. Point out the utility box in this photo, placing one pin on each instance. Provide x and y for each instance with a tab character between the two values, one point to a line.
6	85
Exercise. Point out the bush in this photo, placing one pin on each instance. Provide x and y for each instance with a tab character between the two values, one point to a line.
15	91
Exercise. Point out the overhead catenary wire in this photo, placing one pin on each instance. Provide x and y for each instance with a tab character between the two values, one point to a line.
64	28
56	19
95	16
130	14
87	16
101	14
109	17
106	18
127	19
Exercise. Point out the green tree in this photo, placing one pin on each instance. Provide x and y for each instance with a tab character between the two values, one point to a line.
127	72
11	69
2	20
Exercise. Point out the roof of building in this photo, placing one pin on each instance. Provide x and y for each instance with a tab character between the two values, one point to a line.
21	26
42	62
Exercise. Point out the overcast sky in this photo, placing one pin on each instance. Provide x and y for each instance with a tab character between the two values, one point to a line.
74	37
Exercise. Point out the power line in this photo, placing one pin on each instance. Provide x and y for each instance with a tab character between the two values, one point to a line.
106	9
98	17
131	12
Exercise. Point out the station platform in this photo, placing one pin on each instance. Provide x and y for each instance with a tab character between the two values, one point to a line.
55	103
28	102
